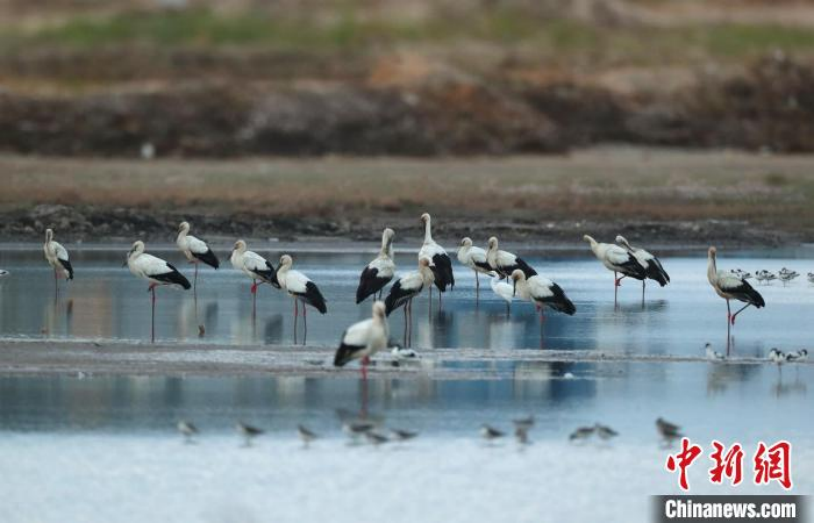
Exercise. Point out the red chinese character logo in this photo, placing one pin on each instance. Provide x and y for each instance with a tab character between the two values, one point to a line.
726	464
683	460
773	463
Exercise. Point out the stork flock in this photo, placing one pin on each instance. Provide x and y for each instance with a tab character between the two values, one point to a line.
434	269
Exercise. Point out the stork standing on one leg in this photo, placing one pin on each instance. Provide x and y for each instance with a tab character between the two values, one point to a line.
730	287
156	271
196	251
440	262
363	339
543	293
651	264
379	271
618	260
255	267
405	289
57	257
301	289
474	258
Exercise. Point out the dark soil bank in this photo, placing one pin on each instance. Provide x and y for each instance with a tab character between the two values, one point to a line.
769	106
95	224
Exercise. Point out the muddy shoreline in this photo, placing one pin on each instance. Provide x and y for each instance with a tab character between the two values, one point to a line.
81	224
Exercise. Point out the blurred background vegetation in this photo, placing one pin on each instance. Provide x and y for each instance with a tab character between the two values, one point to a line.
362	77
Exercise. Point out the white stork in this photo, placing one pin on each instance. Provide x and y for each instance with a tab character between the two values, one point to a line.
57	257
156	271
502	289
474	258
504	262
255	267
542	292
196	251
301	289
363	339
730	287
651	264
618	260
405	289
379	271
440	262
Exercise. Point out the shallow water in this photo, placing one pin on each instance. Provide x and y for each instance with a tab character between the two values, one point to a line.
105	448
106	302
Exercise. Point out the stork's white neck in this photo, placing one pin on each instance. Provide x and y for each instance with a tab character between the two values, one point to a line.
385	250
428	236
711	268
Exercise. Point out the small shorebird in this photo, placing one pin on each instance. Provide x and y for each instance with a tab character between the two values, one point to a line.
400	353
522	434
667	430
777	356
604	432
357	428
525	423
375	438
403	434
187	429
801	354
787	276
810	277
490	433
712	354
4	273
248	432
582	433
306	435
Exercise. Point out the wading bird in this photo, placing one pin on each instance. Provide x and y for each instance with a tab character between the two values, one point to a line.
490	433
379	271
474	258
440	262
247	432
667	430
504	262
405	289
255	267
712	354
364	339
196	251
797	355
57	257
651	264
502	289
618	260
730	287
543	293
156	271
301	289
306	435
187	429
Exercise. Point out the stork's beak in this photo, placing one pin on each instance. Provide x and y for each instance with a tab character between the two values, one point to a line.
514	285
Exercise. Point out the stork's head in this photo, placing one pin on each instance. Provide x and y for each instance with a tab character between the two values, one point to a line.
466	242
184	227
621	240
517	276
240	246
49	234
711	252
286	261
388	234
492	243
424	262
425	218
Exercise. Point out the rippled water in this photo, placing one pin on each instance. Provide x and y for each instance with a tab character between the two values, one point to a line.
105	301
